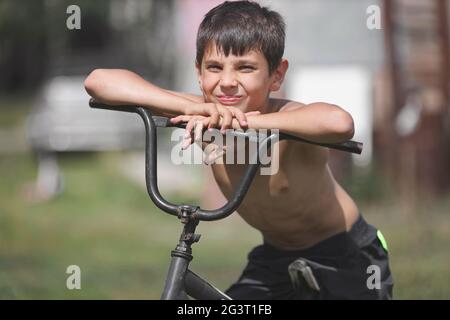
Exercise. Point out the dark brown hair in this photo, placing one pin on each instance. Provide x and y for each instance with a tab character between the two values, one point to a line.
241	26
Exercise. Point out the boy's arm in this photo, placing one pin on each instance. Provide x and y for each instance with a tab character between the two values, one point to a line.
117	87
122	87
318	122
191	97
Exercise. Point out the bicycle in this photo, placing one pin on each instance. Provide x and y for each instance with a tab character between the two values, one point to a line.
182	283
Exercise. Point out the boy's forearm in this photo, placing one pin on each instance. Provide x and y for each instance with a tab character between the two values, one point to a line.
118	87
318	122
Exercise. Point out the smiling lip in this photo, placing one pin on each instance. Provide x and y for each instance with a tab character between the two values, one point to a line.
229	99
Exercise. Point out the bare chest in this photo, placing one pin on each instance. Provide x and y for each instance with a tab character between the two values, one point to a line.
287	199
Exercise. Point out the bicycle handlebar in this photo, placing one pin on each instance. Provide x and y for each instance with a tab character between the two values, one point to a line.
152	122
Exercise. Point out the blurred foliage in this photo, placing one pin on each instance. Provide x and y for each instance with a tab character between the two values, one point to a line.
32	32
23	44
35	41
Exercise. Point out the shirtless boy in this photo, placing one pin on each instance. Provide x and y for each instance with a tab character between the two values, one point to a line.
301	211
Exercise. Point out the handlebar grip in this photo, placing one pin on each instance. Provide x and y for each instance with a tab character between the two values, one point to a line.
99	105
347	146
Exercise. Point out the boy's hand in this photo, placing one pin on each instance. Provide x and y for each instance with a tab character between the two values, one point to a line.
196	124
219	114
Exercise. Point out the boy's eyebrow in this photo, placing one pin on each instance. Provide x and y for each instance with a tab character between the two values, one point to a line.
212	62
243	61
239	61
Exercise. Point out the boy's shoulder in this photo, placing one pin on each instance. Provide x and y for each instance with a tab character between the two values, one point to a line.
281	105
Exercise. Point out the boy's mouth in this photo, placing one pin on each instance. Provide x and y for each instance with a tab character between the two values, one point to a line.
229	100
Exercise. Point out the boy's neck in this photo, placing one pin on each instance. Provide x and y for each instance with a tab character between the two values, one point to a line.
267	107
271	105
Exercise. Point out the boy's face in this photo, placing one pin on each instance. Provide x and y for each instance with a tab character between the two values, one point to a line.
240	81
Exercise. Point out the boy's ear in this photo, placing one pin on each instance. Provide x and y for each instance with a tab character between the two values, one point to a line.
278	75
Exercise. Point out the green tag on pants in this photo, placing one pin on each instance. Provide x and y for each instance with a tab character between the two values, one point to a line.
382	240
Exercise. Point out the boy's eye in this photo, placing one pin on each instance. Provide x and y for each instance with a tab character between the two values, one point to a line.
246	68
213	67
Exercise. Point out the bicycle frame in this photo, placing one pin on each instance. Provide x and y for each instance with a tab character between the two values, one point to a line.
181	281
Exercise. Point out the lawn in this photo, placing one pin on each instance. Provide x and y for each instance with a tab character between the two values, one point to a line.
106	224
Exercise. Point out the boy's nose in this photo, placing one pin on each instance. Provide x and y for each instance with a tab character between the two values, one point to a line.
228	80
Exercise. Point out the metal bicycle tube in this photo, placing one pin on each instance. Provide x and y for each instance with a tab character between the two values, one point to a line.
200	289
181	257
174	286
151	163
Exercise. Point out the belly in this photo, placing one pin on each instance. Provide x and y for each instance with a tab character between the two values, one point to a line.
290	214
297	207
300	222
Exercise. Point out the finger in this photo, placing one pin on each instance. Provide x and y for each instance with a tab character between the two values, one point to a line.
210	149
236	125
216	156
174	120
238	114
206	121
253	113
186	143
226	120
215	117
198	131
178	119
217	153
209	159
189	127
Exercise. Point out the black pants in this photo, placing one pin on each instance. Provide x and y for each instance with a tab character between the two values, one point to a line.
349	265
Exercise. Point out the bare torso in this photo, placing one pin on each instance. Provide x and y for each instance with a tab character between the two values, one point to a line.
298	206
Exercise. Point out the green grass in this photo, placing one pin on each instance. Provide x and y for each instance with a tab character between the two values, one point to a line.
107	225
418	247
